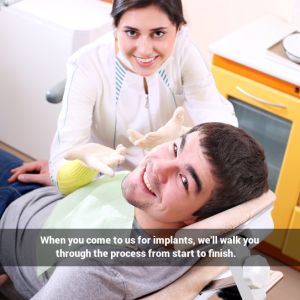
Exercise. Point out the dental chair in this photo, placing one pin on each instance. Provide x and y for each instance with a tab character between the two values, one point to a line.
56	93
251	274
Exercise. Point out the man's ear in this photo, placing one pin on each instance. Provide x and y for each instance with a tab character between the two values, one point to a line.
192	221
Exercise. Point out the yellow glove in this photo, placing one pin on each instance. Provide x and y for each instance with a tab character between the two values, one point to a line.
97	157
171	131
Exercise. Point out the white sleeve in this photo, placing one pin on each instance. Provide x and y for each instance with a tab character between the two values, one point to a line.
75	119
203	101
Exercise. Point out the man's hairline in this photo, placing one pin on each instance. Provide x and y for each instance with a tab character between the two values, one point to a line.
190	168
199	136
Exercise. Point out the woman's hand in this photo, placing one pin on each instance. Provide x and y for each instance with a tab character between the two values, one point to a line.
171	131
97	157
40	166
4	279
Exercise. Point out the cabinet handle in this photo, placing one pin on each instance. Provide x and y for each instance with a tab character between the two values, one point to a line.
258	99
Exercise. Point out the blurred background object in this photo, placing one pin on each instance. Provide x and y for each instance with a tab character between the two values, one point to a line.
295	15
37	37
211	20
42	34
8	2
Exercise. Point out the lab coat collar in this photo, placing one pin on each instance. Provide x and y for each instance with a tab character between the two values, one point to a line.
125	61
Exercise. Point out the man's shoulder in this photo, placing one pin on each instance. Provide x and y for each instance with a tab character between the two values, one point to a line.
24	209
83	282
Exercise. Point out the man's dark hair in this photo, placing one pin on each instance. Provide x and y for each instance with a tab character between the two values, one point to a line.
173	8
237	162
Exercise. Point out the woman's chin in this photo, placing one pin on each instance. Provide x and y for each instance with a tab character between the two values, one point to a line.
146	71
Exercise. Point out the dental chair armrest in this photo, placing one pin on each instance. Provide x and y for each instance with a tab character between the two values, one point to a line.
190	284
56	93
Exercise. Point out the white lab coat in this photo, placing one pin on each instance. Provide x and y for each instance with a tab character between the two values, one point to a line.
102	99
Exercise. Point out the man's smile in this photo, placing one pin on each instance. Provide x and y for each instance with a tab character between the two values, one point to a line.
144	183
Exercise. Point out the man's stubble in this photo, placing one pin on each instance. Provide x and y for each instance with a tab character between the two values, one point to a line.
129	186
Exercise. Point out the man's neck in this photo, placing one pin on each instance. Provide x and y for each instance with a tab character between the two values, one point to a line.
155	227
147	222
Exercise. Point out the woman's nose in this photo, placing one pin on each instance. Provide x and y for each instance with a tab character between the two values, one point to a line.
164	169
145	46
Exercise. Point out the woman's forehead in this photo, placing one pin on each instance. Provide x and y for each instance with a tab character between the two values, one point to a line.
150	16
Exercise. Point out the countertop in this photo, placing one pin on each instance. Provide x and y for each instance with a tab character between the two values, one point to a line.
248	46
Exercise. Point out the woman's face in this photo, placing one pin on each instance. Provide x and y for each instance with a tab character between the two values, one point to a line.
146	38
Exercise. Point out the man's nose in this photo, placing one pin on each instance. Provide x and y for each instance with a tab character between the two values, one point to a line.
164	169
145	46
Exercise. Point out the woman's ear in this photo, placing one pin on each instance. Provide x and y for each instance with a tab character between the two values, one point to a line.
115	33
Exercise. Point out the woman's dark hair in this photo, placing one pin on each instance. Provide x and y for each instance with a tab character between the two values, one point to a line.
173	8
237	163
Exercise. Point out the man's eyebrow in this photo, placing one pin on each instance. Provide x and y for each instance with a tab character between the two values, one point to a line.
193	173
183	139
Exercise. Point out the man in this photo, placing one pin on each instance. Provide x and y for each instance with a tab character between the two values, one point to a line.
210	169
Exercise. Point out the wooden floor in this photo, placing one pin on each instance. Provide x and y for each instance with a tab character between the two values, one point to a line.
287	289
16	152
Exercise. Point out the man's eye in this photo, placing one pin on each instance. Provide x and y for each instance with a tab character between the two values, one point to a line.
159	33
185	183
175	150
131	33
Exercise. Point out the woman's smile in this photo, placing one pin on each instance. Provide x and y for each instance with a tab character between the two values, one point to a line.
146	37
146	62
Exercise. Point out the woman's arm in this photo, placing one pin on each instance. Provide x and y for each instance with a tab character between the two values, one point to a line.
203	101
74	123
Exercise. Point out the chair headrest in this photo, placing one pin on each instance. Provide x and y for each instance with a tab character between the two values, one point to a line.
231	218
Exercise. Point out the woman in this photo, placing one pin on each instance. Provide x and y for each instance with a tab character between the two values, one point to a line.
134	78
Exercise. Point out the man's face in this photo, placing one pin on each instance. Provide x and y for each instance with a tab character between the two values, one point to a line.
172	182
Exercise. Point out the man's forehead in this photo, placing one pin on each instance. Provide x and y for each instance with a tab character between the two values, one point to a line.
182	142
193	160
190	141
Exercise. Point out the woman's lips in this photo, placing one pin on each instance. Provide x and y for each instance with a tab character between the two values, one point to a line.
144	62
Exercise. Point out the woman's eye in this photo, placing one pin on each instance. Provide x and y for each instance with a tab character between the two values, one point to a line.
159	33
185	182
131	32
175	150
